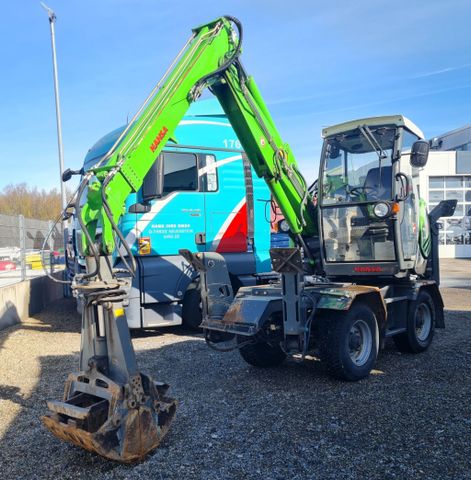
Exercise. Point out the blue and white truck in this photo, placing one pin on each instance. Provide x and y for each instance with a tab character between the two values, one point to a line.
201	195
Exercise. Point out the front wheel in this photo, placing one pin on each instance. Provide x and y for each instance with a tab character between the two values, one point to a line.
260	354
191	308
420	326
349	342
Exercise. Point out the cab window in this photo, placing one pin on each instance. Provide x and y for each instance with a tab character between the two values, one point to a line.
180	172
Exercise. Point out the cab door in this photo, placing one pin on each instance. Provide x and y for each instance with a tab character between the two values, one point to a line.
406	187
226	204
176	217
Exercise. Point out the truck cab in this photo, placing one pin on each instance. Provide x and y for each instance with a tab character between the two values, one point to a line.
201	194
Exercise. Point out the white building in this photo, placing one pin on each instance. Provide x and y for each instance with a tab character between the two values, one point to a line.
447	175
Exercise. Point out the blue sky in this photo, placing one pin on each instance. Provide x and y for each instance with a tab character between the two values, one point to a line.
316	63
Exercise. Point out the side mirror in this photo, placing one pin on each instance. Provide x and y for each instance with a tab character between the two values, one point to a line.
67	174
446	208
153	186
419	153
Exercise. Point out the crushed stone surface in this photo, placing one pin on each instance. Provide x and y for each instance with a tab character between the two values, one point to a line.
411	419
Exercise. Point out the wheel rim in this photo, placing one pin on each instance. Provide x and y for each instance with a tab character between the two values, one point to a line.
360	342
423	322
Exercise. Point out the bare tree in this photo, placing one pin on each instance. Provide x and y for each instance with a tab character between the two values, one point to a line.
20	199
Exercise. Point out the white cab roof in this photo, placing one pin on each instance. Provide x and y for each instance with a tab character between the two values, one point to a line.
398	120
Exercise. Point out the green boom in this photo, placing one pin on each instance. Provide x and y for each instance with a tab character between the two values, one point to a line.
210	58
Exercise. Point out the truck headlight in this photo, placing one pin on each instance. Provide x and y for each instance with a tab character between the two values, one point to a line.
382	209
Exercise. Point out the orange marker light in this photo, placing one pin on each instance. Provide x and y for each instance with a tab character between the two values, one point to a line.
395	207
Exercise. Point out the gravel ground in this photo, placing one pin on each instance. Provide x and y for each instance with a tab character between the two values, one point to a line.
411	419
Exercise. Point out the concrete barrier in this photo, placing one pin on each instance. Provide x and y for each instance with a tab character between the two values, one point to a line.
21	300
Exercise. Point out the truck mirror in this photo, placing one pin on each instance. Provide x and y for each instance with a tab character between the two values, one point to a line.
419	153
67	175
446	208
153	185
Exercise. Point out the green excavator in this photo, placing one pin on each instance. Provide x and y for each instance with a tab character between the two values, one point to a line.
365	266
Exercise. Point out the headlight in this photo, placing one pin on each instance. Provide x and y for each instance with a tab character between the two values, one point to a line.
381	210
283	226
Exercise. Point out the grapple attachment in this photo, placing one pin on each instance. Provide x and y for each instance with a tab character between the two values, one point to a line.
122	423
109	407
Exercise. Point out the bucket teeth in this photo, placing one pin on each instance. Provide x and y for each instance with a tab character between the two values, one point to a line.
120	423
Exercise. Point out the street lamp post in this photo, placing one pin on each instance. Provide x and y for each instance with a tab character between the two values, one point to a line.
52	21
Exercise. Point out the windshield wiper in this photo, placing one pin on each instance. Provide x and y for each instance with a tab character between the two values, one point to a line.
367	133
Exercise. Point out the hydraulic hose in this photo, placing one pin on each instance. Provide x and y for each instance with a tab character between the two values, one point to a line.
131	268
71	203
199	85
78	210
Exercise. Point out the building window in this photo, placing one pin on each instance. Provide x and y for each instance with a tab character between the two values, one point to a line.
453	194
454	182
436	182
436	196
454	230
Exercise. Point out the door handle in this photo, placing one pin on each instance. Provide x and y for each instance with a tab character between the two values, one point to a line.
200	238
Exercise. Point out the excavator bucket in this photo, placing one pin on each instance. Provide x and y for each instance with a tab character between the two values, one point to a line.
119	423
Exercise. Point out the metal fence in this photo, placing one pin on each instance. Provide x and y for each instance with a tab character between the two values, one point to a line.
21	241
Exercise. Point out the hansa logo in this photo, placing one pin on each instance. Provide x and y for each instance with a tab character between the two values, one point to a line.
158	139
368	269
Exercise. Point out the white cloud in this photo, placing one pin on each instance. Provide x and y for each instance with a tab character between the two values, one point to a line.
441	71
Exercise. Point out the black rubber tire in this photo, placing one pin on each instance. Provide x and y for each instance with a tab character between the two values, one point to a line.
191	308
335	336
261	354
408	342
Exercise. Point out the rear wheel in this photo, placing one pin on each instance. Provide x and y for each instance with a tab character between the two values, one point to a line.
349	342
260	354
420	326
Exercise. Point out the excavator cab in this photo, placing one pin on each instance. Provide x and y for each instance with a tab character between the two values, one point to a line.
368	199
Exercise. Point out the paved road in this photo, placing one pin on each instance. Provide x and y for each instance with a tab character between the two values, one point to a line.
455	272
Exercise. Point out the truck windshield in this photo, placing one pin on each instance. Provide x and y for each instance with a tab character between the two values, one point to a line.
356	168
101	148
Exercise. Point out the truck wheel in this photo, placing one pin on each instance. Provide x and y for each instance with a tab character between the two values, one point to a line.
349	342
191	308
420	326
261	354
